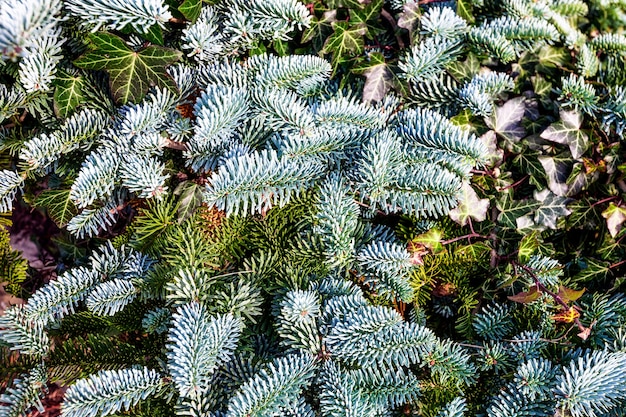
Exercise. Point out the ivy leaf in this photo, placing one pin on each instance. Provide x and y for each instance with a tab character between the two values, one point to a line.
464	10
506	120
594	272
556	169
528	246
511	210
550	56
410	16
191	9
345	42
494	154
349	4
528	162
568	294
378	77
190	199
469	206
552	207
367	14
131	73
533	294
464	70
58	204
319	29
154	34
567	132
615	217
430	239
68	93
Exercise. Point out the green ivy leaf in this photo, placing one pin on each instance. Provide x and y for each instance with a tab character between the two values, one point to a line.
528	162
511	210
567	132
345	42
430	239
464	70
191	9
320	29
154	34
583	215
464	9
594	272
528	246
550	56
68	93
131	73
367	14
60	207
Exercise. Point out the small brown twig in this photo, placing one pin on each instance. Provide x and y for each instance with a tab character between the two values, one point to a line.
468	237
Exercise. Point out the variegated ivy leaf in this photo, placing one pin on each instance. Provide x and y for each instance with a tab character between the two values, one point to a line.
567	132
552	207
469	206
615	217
494	154
378	77
410	16
557	169
506	120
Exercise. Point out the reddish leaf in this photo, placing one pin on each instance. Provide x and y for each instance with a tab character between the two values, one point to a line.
531	295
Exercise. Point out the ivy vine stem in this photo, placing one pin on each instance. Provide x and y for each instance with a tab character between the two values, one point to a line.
559	300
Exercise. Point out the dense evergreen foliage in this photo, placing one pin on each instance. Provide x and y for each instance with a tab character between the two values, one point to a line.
326	208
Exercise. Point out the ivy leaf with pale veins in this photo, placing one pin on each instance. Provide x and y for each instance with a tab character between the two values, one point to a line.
511	210
552	207
464	10
345	42
60	207
615	217
469	206
367	14
410	16
320	29
557	169
378	77
567	132
506	120
190	199
595	271
131	73
191	9
68	92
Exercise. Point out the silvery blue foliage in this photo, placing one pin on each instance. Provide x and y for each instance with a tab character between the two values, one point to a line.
117	14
